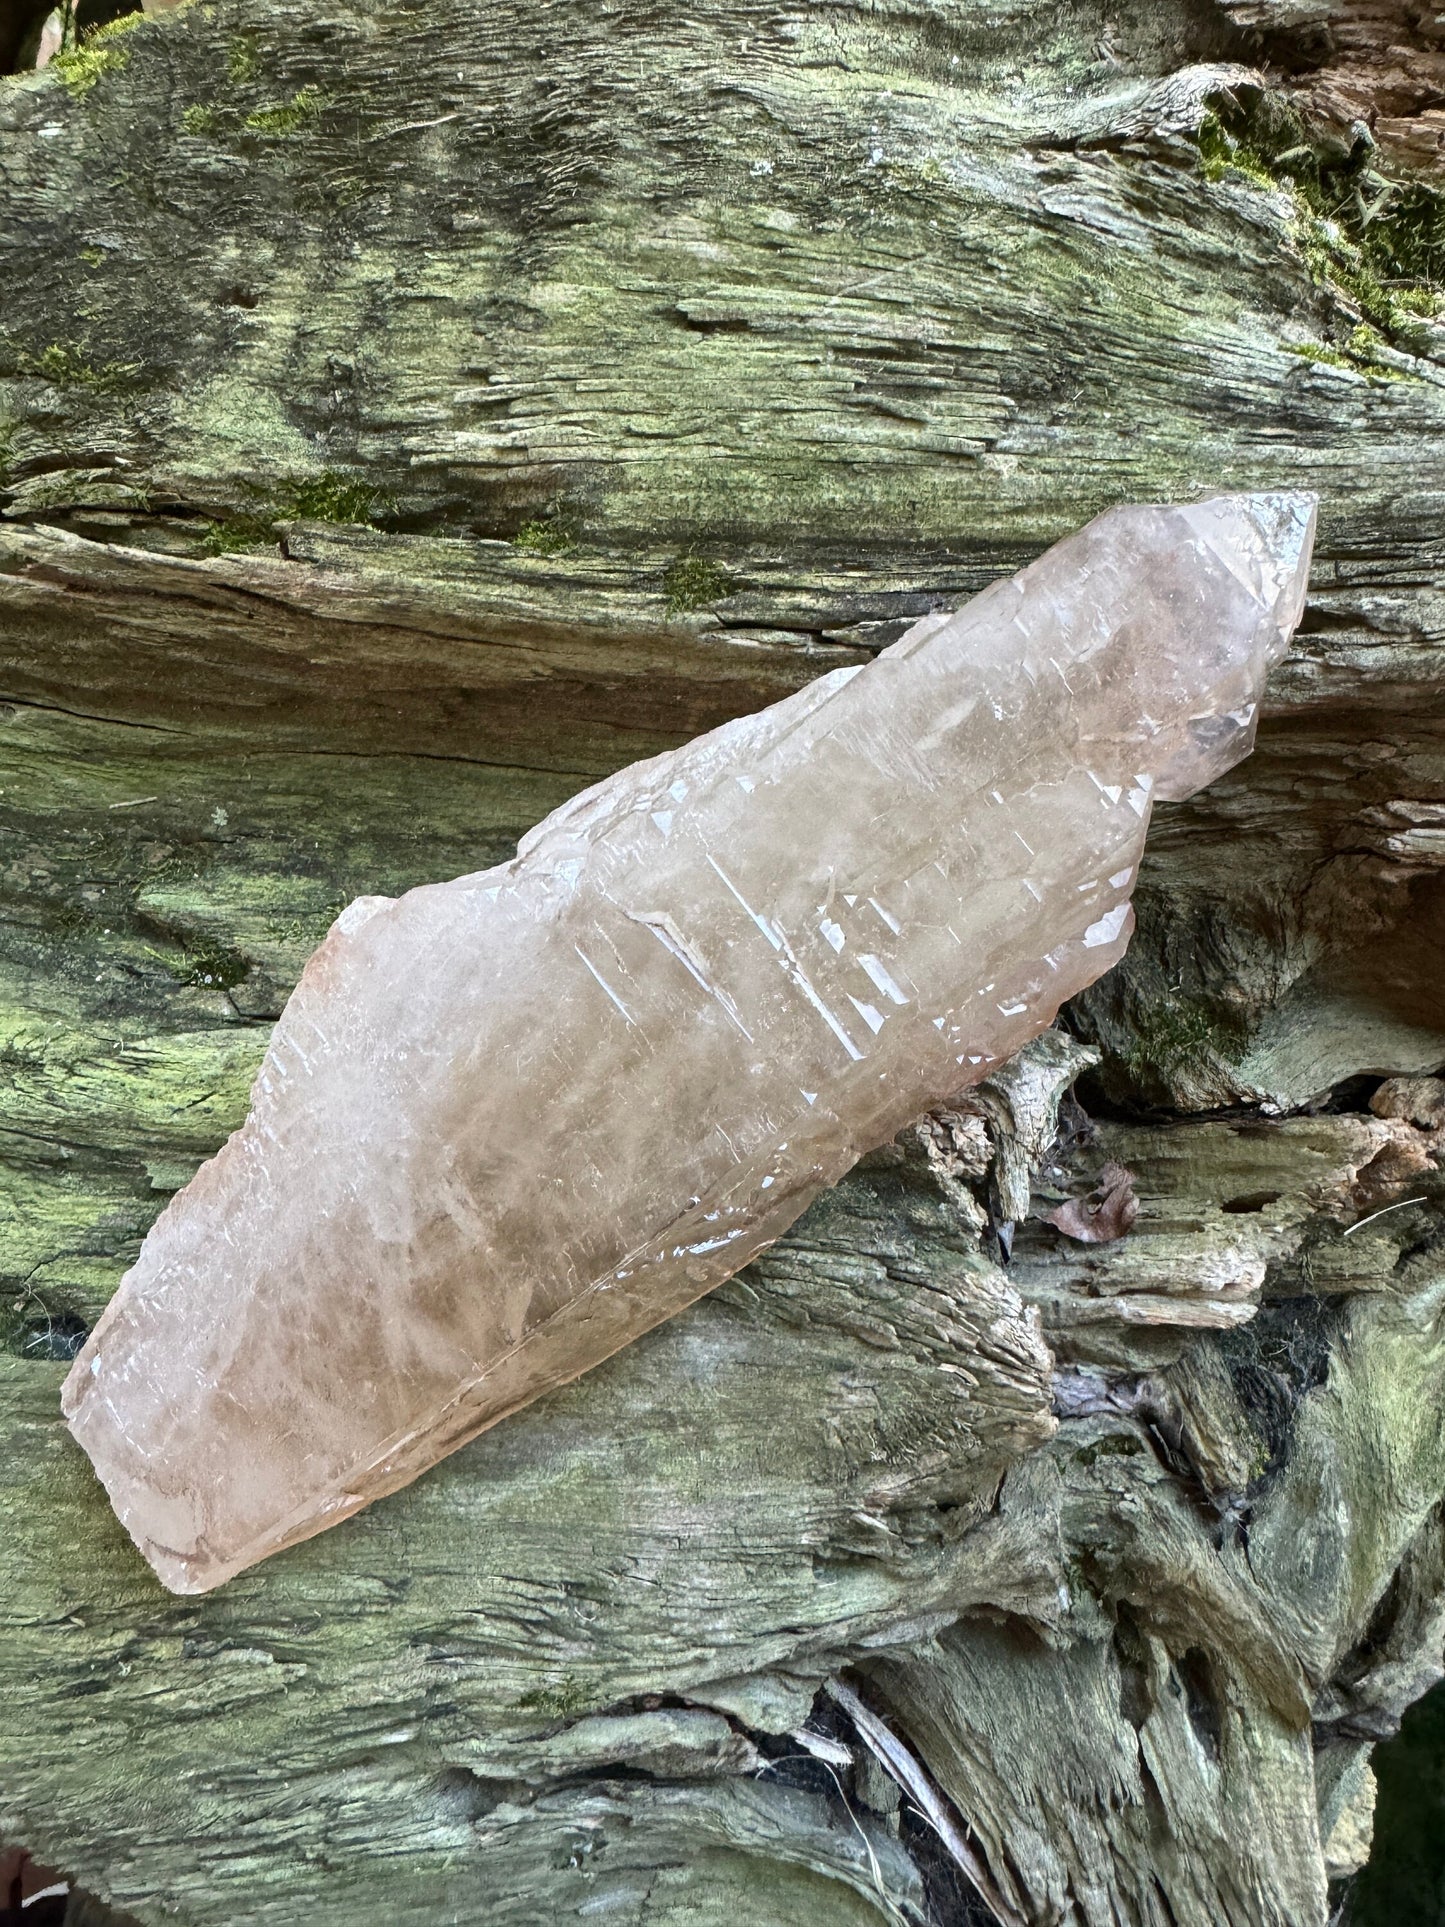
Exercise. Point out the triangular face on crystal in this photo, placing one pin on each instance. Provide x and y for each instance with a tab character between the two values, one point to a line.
506	1124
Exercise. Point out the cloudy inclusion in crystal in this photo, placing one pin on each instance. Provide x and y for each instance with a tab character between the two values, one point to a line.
510	1122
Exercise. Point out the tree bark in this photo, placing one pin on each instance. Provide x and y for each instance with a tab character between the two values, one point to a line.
413	413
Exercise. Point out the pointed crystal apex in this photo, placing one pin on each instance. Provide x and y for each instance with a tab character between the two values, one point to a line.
1265	540
511	1122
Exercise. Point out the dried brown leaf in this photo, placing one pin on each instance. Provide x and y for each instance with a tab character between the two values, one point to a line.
1105	1214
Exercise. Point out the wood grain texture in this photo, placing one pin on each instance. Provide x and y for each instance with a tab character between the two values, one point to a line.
410	414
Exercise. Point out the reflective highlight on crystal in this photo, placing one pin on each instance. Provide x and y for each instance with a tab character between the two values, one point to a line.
508	1123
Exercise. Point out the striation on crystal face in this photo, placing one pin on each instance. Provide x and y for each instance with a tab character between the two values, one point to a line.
508	1123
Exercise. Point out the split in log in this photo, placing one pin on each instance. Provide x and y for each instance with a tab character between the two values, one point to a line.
410	414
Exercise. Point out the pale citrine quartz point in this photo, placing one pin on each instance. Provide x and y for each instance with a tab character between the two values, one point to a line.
507	1124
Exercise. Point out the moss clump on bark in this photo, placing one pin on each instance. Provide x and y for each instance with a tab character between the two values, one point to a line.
238	534
81	67
544	538
864	323
331	496
1171	1038
212	966
1361	354
694	582
67	367
1377	240
291	117
243	58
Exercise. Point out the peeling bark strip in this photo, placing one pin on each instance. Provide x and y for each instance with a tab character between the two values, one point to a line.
410	416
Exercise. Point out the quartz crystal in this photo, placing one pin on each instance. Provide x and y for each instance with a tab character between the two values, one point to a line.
508	1123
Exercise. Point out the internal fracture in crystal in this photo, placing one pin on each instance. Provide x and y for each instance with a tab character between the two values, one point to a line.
508	1123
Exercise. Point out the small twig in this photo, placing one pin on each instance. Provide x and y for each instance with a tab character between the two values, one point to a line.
419	126
908	1772
133	803
1383	1211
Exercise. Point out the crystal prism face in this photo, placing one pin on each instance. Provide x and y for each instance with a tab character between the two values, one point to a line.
508	1123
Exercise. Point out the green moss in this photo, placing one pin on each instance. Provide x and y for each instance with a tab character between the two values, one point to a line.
80	68
1176	1036
332	496
243	57
1404	234
1318	351
66	368
565	1698
201	120
212	967
301	111
1365	344
1377	241
543	538
1335	260
237	534
1361	354
1427	302
694	582
1223	153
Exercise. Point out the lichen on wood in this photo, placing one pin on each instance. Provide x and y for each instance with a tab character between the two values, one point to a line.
540	391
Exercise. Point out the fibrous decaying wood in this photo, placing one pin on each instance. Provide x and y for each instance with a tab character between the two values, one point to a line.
414	413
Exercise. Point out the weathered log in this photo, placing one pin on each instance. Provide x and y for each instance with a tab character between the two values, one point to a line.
411	414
